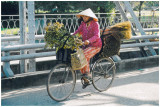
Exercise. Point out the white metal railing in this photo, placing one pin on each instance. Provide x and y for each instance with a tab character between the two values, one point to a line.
41	37
28	56
17	38
140	44
7	57
70	21
42	45
70	24
12	40
143	37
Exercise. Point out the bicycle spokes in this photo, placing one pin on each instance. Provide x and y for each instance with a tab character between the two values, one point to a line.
61	82
104	68
103	73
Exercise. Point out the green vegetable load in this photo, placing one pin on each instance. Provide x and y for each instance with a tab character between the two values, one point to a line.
57	35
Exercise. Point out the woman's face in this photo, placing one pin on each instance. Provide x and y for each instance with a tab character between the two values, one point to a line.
85	18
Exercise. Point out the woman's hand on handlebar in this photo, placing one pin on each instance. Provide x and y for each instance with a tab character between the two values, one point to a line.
72	34
86	42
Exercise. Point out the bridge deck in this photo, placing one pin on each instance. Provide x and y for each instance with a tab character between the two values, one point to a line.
132	88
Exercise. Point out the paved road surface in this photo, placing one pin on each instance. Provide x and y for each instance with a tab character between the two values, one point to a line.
134	88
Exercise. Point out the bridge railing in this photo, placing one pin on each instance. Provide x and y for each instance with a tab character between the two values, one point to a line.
15	39
6	58
10	23
70	22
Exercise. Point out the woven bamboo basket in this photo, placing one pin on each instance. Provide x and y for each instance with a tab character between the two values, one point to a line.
78	60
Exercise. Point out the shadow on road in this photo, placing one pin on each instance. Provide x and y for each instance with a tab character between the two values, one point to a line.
37	96
139	77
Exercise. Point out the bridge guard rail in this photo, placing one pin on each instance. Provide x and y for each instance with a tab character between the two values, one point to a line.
7	58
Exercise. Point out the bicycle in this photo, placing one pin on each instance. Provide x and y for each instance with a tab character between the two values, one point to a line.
62	79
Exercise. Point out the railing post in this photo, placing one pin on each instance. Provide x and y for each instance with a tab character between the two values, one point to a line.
6	67
31	33
22	16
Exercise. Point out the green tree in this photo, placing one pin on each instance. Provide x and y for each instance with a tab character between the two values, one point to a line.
9	8
140	8
75	6
151	4
147	5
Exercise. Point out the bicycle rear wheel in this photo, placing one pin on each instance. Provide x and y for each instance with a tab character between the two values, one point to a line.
103	72
61	82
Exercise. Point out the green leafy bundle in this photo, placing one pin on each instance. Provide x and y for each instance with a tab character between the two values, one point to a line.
56	35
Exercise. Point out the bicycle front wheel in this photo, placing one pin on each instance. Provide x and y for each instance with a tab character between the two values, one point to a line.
103	72
61	82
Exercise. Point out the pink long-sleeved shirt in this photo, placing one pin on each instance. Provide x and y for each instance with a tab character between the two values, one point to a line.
91	33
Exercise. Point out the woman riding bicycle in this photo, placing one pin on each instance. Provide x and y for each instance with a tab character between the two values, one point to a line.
90	31
62	78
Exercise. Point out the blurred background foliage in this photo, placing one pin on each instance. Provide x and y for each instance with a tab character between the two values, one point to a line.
64	7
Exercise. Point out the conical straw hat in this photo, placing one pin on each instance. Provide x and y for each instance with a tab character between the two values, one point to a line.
87	12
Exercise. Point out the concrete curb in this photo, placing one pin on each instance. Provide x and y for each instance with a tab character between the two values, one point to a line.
137	63
40	78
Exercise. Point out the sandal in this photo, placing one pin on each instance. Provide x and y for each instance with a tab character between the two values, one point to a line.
86	80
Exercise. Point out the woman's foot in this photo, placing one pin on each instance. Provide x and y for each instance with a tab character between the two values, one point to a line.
85	82
86	78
